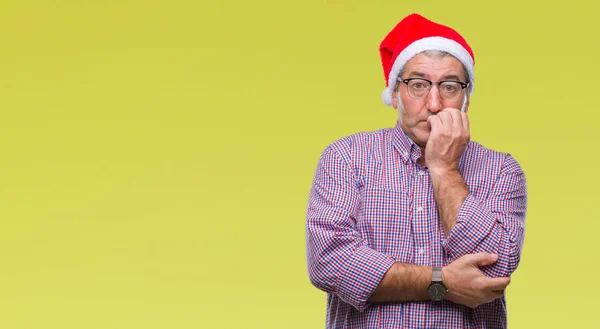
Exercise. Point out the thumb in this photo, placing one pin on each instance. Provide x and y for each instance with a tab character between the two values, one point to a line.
484	258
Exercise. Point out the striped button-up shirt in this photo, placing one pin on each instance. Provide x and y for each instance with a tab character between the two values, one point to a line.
371	204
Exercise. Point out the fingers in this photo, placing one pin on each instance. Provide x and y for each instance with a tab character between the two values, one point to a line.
446	120
488	297
454	121
497	293
483	258
457	125
498	283
435	123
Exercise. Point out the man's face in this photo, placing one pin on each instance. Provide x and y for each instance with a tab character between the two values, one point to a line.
413	112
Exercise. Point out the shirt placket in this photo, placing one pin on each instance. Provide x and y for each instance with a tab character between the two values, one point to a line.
419	219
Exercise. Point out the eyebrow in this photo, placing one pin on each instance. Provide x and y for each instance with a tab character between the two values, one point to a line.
451	77
446	77
419	74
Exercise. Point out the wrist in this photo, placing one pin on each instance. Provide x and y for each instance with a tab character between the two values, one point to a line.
447	278
443	170
437	290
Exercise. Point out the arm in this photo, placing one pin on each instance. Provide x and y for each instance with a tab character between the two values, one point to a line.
340	262
495	225
450	192
465	282
402	283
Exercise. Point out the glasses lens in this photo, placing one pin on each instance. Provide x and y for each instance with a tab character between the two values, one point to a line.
418	88
450	91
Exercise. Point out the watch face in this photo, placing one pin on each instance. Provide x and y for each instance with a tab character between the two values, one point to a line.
437	291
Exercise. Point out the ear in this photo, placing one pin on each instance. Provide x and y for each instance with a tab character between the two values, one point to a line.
467	104
395	99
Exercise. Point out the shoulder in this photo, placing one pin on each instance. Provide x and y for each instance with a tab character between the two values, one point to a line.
480	158
360	144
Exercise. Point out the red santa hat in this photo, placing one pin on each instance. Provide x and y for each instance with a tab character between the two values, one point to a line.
413	35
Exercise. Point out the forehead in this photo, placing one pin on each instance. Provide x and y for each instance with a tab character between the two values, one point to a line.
434	67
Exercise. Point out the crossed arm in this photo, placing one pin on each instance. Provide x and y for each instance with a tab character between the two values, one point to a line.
478	234
478	230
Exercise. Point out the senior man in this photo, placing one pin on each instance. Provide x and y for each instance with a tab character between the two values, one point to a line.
416	226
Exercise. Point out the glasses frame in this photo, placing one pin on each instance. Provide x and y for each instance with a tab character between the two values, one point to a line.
431	83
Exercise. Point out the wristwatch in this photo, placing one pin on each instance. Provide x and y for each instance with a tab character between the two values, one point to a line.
437	290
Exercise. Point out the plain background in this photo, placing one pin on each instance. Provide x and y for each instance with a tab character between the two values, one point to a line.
157	155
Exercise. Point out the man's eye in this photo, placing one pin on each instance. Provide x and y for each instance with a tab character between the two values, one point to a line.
450	88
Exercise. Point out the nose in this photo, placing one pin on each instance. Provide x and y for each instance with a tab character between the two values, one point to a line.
434	101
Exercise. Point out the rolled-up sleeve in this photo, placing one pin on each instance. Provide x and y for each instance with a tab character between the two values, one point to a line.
339	260
495	224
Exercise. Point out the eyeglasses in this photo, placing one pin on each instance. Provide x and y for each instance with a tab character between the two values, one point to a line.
419	88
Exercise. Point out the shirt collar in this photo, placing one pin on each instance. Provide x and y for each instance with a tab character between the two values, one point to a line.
405	146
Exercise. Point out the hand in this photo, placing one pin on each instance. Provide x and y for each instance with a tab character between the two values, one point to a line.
467	285
448	139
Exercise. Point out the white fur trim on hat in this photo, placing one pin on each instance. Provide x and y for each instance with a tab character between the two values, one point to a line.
431	43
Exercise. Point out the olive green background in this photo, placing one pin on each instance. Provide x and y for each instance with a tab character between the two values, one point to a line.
156	156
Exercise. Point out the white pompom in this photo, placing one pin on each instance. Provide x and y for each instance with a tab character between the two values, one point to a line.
386	95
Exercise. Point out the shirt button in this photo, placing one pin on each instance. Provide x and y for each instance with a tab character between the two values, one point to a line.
419	208
421	251
421	173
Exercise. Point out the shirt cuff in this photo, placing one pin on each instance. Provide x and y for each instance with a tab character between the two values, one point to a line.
364	271
474	223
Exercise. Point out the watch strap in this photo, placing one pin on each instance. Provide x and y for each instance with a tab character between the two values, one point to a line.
436	274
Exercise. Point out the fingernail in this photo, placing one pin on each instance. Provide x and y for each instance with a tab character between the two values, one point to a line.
494	257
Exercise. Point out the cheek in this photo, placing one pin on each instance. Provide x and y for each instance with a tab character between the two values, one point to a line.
411	117
410	110
457	104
